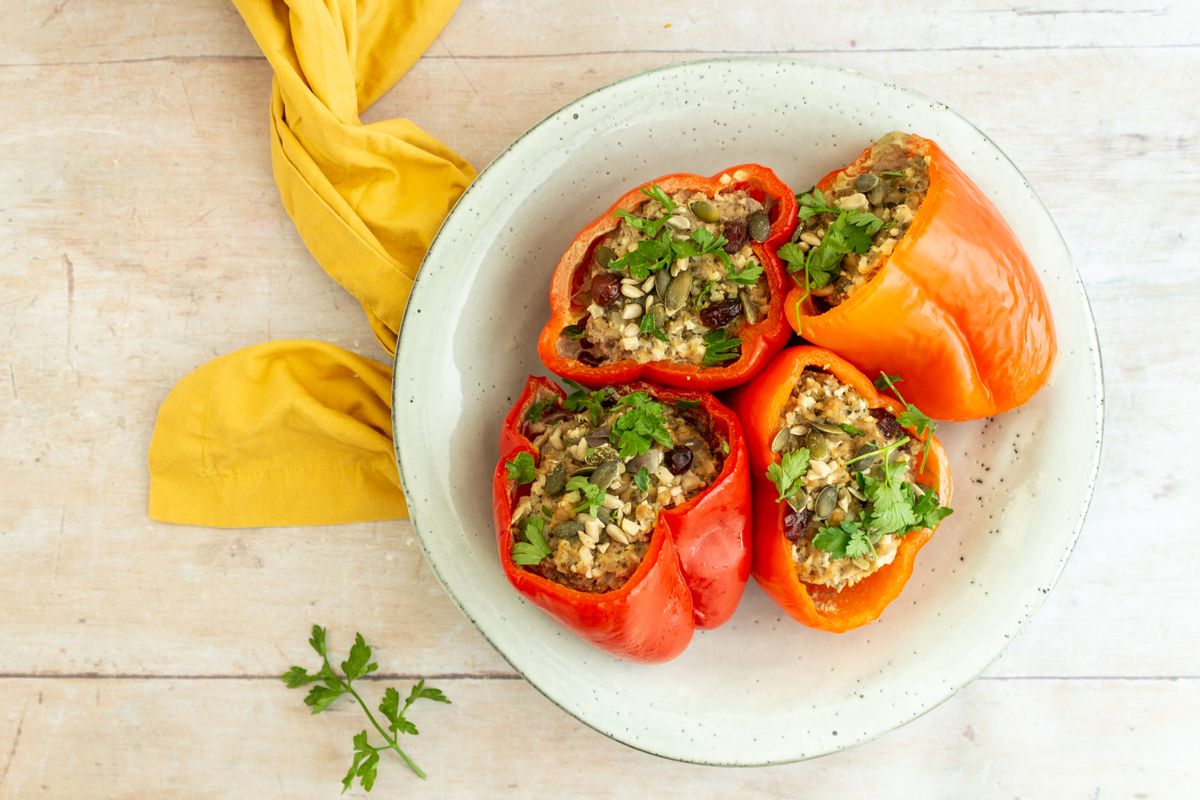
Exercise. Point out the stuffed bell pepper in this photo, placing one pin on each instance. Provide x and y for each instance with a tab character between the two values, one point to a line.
676	284
900	263
848	485
624	513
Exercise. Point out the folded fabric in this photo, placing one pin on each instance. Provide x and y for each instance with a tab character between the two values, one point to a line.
293	433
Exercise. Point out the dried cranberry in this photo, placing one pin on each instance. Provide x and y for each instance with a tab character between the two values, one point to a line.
795	523
606	287
736	233
887	424
679	459
720	313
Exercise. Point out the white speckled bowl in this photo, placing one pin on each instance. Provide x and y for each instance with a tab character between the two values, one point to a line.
762	689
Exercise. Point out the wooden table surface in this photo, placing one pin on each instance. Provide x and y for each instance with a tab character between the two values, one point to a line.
141	234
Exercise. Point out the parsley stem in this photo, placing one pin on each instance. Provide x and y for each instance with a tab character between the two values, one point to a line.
420	773
887	448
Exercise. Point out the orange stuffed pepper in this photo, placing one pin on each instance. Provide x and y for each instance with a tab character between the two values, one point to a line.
848	485
903	265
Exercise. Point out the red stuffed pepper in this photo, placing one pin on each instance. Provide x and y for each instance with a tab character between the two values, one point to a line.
624	513
848	485
904	265
677	284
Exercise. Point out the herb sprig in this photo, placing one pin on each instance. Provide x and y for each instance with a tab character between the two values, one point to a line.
581	398
520	469
788	473
911	417
642	423
330	686
720	347
534	548
591	494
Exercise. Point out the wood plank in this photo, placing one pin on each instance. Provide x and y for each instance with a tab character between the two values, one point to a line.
54	31
234	738
129	259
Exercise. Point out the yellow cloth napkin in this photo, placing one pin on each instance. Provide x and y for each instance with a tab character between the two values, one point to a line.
296	433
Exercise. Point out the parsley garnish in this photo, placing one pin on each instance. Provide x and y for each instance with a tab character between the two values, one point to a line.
520	469
650	255
642	480
747	276
850	429
655	192
573	332
708	287
534	548
849	232
912	417
788	473
720	347
581	398
650	227
648	325
538	410
644	422
330	686
684	405
894	173
592	495
848	540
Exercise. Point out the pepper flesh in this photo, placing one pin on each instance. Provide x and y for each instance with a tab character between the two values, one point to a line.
759	404
694	571
956	310
759	341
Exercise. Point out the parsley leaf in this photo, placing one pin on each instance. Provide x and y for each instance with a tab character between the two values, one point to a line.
648	325
813	203
642	480
929	511
891	508
720	347
364	765
684	405
643	423
849	232
747	276
573	332
788	473
655	192
537	410
581	398
650	255
850	429
534	548
590	492
520	469
793	255
708	287
912	417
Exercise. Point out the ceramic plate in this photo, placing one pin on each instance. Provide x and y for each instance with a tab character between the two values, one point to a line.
762	689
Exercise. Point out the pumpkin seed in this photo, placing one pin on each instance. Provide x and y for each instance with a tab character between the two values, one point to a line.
659	314
817	444
583	472
866	182
748	308
826	502
877	195
677	293
780	441
825	427
598	436
605	474
567	530
602	453
705	212
759	226
798	501
662	279
604	255
556	480
604	514
865	463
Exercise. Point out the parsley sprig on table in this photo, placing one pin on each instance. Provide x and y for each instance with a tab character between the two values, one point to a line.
330	686
788	473
642	423
912	417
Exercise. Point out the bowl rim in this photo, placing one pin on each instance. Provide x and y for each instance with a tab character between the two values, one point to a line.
1097	375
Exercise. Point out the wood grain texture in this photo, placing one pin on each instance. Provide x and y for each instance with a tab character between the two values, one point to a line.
141	234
